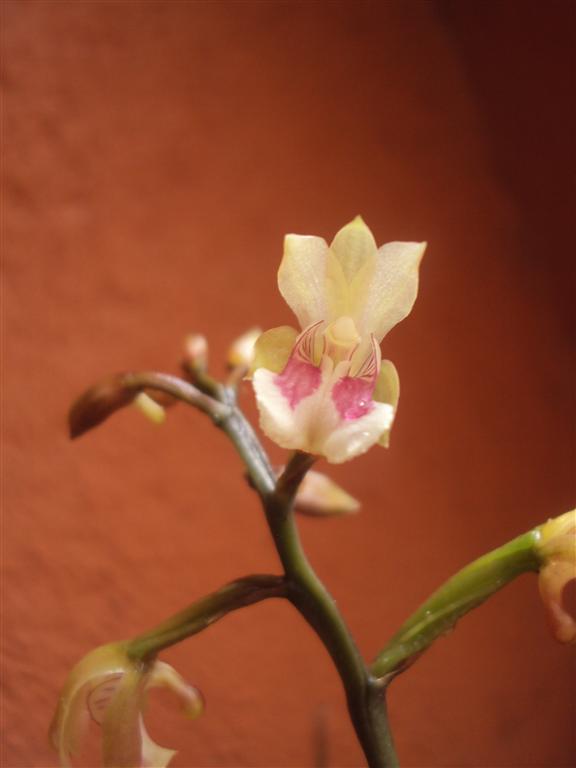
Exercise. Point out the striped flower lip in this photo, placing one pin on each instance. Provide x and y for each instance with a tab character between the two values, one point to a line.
326	390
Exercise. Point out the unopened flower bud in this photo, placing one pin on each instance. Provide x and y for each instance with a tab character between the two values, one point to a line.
557	550
319	496
241	352
196	352
153	411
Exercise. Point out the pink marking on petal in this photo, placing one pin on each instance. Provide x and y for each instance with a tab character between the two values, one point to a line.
298	380
352	397
371	365
100	697
300	376
304	344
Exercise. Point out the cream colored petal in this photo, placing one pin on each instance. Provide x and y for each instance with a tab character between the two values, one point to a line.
353	246
277	418
387	390
122	724
311	280
69	726
355	437
303	427
153	755
162	675
301	277
72	715
384	290
272	349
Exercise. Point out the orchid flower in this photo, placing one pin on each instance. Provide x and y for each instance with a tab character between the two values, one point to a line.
110	688
326	390
557	550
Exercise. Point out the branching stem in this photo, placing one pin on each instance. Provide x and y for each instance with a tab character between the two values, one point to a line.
205	612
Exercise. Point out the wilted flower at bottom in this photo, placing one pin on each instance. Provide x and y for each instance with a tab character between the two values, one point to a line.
557	549
110	688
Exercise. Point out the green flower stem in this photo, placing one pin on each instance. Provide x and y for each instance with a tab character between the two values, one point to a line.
204	612
463	592
240	432
364	695
115	392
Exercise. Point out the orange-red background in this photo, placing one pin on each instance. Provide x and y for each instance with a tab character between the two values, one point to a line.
155	154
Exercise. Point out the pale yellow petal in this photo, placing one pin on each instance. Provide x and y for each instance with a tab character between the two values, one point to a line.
272	349
353	246
311	280
383	291
387	390
301	277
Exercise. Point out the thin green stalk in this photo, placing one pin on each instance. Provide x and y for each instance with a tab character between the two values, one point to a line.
465	591
206	611
365	697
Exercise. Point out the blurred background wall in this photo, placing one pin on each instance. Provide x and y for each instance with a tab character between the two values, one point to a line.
155	153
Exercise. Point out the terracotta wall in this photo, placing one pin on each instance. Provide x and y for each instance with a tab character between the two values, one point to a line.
155	155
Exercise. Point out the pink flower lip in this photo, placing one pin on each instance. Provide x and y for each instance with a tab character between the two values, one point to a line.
298	380
353	397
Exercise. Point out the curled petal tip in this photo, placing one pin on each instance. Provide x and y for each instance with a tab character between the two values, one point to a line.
196	706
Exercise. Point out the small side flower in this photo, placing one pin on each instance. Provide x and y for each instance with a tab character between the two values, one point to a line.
110	688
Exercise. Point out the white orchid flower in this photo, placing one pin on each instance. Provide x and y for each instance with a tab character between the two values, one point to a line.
326	390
